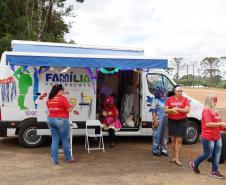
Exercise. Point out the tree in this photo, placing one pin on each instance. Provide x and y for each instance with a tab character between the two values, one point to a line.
223	60
178	65
186	80
217	79
169	70
33	20
211	70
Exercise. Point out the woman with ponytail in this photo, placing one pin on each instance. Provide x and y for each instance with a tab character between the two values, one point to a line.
58	122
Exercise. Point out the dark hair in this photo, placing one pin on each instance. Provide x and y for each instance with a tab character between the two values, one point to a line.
55	89
176	87
160	89
172	93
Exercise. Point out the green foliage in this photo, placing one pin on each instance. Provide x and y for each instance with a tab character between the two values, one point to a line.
33	20
178	65
211	70
5	42
222	85
187	80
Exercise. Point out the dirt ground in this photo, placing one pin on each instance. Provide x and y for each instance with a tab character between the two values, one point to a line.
200	95
130	162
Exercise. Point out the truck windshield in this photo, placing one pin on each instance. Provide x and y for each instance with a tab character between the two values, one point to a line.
153	80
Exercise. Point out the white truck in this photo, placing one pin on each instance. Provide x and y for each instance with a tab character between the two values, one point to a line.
28	72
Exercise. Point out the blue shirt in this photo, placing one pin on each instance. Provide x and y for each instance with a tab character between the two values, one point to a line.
157	106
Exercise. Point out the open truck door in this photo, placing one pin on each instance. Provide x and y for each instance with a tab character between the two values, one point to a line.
150	80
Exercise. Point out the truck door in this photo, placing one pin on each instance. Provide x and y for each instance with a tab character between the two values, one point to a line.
150	82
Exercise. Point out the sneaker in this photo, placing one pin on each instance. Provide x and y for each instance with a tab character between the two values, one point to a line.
157	154
217	175
71	161
164	153
55	162
195	169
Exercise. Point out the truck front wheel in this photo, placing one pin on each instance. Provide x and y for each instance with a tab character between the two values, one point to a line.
28	137
193	132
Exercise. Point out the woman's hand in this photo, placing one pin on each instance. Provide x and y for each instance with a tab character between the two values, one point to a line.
174	110
216	124
155	120
73	101
183	110
223	124
105	113
71	108
171	111
156	123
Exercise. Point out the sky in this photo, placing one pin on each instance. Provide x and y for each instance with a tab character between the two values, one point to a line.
163	28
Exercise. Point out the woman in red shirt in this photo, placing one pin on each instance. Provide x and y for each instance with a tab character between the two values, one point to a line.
177	107
211	137
58	122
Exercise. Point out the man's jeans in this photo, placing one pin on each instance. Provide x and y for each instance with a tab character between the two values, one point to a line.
60	131
210	148
160	136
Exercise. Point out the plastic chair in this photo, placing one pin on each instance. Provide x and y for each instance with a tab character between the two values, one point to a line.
95	124
72	126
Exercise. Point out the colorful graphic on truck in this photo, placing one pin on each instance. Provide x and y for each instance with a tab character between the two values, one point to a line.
68	79
24	82
8	89
36	86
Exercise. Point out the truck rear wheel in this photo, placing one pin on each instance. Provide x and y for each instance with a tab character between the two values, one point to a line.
223	150
193	132
27	135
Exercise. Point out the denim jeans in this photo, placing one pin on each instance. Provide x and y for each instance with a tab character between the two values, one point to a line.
210	148
160	136
60	131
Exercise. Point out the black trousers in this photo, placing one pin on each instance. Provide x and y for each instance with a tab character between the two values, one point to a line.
110	131
112	135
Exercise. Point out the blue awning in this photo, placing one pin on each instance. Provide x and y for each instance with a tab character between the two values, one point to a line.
64	48
94	61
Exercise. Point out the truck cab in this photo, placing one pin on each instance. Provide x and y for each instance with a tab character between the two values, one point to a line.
156	77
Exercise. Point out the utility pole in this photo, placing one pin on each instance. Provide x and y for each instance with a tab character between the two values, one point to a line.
193	73
187	73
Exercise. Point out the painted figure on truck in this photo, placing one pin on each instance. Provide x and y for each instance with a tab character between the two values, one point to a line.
24	82
8	89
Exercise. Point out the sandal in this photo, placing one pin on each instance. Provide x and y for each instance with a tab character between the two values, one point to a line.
178	163
173	161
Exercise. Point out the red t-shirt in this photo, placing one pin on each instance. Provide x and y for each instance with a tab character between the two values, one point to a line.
210	133
58	107
112	111
181	102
